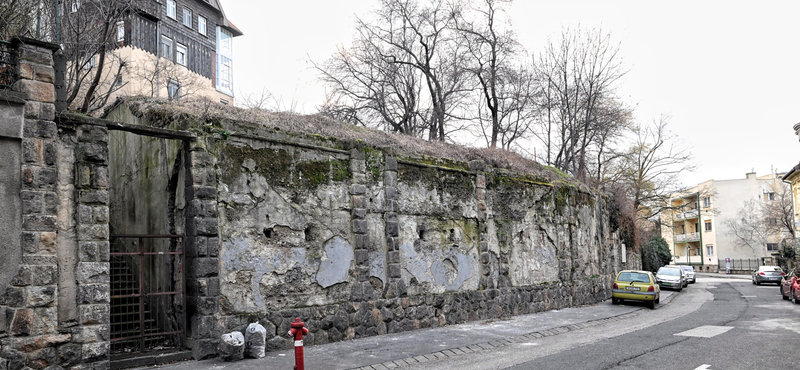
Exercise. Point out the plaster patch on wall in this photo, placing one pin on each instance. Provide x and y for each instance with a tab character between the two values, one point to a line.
237	255
444	270
335	263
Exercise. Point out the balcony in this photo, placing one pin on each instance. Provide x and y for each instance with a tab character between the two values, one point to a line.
688	215
685	238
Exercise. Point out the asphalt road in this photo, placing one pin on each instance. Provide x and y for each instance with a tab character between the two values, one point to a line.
714	324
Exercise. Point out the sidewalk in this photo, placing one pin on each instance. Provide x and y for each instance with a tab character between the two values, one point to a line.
401	349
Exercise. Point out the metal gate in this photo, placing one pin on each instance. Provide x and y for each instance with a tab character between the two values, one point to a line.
148	301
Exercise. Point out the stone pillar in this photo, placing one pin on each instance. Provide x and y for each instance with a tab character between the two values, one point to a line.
395	287
480	190
362	289
202	252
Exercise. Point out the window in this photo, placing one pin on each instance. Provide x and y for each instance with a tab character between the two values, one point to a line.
171	9
120	31
201	25
166	47
709	249
771	196
224	71
90	63
708	225
223	102
75	6
173	89
706	202
187	17
772	221
772	247
180	54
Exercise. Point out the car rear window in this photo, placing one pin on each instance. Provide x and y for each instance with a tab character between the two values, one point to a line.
771	268
687	268
634	276
672	272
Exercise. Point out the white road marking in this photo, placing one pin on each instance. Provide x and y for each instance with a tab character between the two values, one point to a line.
749	296
703	367
705	331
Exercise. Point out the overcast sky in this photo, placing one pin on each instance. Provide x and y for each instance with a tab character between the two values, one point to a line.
728	72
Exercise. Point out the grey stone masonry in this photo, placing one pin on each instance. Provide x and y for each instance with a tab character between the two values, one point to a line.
362	289
395	287
202	251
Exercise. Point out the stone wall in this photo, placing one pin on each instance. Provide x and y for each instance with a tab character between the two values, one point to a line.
55	306
364	241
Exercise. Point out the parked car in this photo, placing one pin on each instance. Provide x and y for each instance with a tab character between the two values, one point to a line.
689	272
790	289
671	277
636	286
768	274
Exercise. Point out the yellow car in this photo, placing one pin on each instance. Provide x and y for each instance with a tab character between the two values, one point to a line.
636	286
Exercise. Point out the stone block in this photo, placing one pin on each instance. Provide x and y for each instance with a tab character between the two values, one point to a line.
99	177
47	111
204	348
49	243
92	272
393	257
204	327
31	151
31	202
26	71
36	90
203	226
204	192
33	109
203	208
23	322
213	287
391	193
390	179
360	226
83	175
38	223
394	270
92	152
358	189
89	334
13	297
93	314
203	267
46	178
96	351
361	241
31	242
392	229
87	251
36	55
361	256
94	293
100	214
44	74
95	197
203	305
391	163
213	246
51	203
359	213
40	129
39	296
39	260
44	275
202	159
93	232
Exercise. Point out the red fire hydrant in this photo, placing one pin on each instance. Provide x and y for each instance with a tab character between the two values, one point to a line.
297	331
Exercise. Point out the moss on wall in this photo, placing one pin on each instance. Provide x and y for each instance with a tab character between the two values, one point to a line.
273	164
459	185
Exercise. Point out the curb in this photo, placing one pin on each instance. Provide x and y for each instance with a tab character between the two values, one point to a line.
453	352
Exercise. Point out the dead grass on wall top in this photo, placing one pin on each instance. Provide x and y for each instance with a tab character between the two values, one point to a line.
315	124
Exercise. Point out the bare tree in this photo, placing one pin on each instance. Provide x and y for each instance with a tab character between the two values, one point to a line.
578	76
155	76
18	18
89	31
505	86
651	168
408	55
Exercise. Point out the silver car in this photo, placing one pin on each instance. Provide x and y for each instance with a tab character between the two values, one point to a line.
689	272
671	277
768	274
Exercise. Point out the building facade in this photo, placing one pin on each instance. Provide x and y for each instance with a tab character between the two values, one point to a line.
172	48
706	225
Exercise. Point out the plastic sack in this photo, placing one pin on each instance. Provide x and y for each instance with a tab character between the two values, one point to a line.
231	346
255	338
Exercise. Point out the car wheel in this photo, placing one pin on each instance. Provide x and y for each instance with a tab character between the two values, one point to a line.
614	300
758	282
680	289
658	299
794	298
754	281
651	304
785	298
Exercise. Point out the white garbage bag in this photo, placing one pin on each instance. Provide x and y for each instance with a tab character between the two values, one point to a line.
231	346
255	338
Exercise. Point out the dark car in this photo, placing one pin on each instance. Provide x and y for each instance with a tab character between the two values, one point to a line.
768	274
